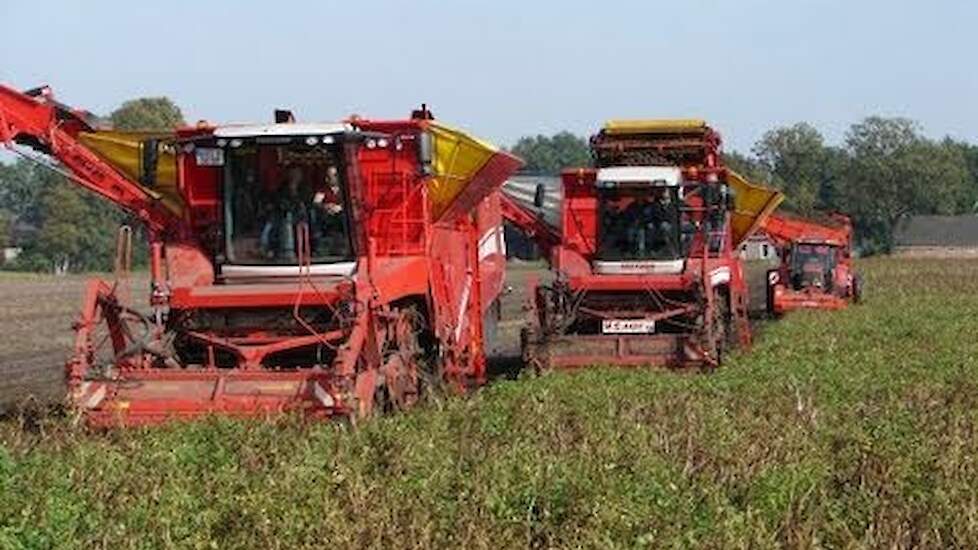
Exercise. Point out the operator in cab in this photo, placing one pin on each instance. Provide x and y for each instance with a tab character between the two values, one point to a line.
328	234
288	208
651	221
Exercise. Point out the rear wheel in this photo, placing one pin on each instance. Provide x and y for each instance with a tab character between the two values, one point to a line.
857	289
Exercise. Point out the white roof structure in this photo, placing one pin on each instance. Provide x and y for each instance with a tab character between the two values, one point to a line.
284	129
652	175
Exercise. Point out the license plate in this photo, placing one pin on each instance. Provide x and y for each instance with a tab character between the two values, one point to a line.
627	326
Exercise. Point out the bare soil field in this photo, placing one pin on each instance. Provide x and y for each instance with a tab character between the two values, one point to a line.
37	314
36	317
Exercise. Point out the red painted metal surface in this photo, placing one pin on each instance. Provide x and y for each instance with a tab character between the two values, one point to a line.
698	309
815	270
408	312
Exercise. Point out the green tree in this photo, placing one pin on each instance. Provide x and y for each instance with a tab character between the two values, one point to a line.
746	166
5	220
22	184
969	153
77	234
795	156
894	172
147	113
548	155
834	170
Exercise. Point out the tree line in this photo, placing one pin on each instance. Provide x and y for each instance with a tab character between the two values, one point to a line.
885	170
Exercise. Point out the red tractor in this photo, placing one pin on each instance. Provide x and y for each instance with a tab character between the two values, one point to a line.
327	269
644	263
815	270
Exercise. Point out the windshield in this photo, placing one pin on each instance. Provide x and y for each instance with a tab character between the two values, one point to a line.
812	264
272	191
639	223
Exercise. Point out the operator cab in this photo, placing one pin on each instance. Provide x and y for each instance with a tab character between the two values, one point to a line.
284	201
651	220
640	210
811	264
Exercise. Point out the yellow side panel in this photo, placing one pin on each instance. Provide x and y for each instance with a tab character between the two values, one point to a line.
655	126
123	150
457	158
752	206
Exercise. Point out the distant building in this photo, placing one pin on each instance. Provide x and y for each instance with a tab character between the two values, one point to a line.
21	233
10	253
758	247
937	236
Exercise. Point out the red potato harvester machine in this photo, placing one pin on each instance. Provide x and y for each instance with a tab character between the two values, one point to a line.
329	269
816	269
644	258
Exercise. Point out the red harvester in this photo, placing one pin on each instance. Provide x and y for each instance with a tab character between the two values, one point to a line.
321	268
644	259
816	264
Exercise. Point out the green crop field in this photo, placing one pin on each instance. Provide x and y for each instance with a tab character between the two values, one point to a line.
839	429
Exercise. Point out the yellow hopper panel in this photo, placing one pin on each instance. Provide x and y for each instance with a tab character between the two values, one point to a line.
124	151
466	170
752	206
655	126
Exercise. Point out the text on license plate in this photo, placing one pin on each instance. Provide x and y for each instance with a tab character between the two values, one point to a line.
627	326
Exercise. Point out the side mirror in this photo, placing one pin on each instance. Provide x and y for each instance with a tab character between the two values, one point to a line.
426	153
539	194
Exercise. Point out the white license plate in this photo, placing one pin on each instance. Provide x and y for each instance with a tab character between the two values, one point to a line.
627	326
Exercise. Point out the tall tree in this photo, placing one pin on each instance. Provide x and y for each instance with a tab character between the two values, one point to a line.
5	230
548	155
77	233
746	166
893	172
147	113
22	185
969	153
795	156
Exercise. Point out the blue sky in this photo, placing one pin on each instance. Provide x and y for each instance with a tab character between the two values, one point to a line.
504	68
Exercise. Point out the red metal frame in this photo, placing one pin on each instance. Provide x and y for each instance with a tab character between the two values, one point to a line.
789	231
412	271
710	292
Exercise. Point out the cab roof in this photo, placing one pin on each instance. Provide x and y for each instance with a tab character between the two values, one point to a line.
282	129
